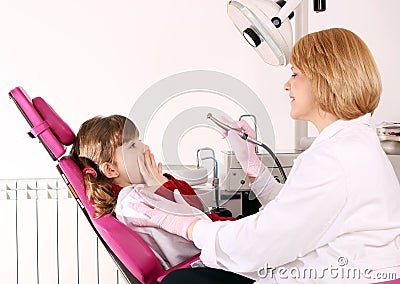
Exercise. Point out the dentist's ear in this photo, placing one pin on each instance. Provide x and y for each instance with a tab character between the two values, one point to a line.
109	170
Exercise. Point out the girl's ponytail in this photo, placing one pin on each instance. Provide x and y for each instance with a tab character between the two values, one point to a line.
98	187
102	195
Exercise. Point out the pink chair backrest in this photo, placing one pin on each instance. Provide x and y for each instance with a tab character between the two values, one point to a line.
133	256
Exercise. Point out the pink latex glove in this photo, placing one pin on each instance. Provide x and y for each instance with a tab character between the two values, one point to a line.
167	215
244	151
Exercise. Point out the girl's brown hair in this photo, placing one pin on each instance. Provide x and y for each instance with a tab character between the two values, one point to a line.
95	144
342	71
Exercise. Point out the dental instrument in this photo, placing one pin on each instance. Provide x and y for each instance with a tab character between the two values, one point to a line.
255	124
215	182
246	137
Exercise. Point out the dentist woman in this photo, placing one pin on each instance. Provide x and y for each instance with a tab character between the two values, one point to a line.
340	206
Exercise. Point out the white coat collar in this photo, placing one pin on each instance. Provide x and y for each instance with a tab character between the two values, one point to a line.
340	124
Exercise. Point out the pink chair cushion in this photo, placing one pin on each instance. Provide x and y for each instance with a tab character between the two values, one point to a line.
40	126
185	264
60	129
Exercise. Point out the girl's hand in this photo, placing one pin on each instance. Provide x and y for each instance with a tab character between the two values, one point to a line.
150	170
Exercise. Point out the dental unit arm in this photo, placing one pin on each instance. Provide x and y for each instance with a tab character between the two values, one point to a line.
250	139
215	181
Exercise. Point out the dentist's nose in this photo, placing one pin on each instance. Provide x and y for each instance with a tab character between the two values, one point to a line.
286	86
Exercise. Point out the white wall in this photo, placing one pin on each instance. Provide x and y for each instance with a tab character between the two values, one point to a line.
375	22
97	57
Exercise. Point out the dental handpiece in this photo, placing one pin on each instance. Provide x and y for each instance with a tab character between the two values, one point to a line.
246	137
239	132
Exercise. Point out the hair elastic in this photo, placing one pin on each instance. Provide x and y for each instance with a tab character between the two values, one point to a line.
90	170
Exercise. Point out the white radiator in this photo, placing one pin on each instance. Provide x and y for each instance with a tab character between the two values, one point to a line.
46	239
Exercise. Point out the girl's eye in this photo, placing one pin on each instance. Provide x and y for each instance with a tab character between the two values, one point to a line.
294	75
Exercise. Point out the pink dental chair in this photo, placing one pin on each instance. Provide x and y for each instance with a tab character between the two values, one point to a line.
131	254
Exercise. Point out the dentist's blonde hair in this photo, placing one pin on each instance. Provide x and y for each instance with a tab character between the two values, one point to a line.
343	73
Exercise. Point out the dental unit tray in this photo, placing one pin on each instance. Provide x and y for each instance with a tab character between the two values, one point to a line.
389	136
133	257
388	131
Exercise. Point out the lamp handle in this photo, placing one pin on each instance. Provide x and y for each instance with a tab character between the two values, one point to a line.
284	12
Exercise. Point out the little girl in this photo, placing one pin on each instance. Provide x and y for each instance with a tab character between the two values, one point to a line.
116	164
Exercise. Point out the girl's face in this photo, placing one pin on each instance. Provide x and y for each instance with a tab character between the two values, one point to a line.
303	105
126	161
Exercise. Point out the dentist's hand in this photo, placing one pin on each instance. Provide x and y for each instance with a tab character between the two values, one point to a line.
175	218
150	170
244	151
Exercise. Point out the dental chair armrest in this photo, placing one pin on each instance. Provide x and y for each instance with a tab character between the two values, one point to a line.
185	264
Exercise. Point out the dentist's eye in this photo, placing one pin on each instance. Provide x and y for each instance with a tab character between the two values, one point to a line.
294	73
132	145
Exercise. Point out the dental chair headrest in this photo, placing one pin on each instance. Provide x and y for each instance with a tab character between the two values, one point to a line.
61	130
46	124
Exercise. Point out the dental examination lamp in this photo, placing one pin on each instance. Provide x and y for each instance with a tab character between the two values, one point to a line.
265	24
250	139
266	27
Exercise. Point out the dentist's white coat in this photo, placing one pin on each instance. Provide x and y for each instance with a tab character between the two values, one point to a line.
342	199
